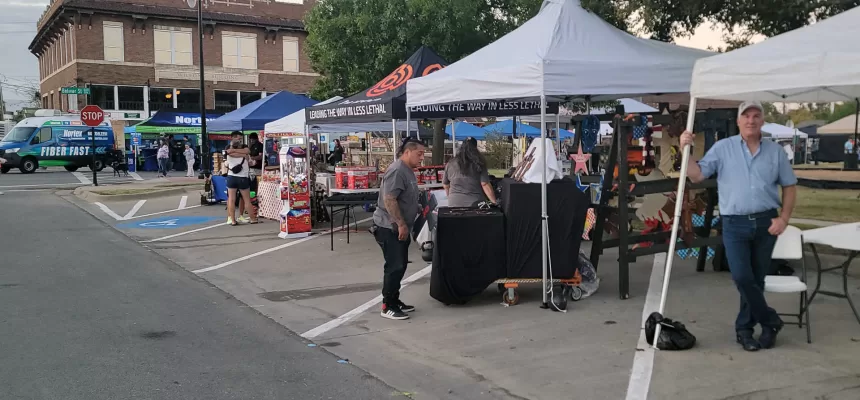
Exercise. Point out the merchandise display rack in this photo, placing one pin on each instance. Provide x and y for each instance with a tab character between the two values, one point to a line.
622	130
295	215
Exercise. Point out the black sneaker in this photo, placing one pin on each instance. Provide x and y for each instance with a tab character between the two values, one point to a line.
768	336
748	342
405	307
393	312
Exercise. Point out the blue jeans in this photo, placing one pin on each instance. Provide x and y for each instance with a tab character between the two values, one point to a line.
162	165
749	247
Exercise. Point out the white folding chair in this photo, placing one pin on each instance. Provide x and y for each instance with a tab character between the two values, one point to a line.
789	246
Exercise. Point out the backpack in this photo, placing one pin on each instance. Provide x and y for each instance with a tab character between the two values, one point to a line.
673	334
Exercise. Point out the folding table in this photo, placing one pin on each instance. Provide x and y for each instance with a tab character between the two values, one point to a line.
844	237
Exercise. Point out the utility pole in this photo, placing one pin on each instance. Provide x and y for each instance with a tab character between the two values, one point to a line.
2	103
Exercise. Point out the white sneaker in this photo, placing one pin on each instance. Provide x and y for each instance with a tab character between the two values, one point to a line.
243	219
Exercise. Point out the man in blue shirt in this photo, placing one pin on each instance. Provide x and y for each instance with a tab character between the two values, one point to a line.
749	170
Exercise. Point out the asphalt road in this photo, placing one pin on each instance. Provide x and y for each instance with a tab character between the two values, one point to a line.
89	314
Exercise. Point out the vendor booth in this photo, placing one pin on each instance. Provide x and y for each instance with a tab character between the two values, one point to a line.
576	56
175	123
822	70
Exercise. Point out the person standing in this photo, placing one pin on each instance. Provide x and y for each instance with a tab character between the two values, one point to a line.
336	155
189	159
393	219
467	180
163	157
749	171
237	177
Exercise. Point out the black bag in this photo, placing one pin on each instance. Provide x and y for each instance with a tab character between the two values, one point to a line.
673	334
238	168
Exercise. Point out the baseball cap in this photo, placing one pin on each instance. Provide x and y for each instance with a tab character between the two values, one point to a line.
749	104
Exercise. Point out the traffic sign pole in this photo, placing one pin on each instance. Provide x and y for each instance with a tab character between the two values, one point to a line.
93	116
95	172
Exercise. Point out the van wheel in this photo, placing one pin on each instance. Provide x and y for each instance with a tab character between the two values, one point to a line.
5	169
71	168
29	165
100	165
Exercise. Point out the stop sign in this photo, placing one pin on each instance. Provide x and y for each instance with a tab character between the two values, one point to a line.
92	116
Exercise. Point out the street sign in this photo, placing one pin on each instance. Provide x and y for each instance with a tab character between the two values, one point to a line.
135	139
170	222
131	115
92	116
75	90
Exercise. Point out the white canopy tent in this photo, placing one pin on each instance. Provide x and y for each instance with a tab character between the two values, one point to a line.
811	64
564	52
778	131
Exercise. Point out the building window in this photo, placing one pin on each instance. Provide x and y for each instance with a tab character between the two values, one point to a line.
160	98
246	98
130	97
226	101
291	54
239	50
113	41
172	45
102	96
188	99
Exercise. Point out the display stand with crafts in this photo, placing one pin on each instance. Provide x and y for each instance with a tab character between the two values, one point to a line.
632	172
295	214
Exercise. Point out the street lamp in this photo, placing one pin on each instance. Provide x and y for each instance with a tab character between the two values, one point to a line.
204	136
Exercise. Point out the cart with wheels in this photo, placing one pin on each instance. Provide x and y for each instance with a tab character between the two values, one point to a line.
508	288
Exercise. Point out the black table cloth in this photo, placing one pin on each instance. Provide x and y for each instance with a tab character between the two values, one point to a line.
469	253
567	207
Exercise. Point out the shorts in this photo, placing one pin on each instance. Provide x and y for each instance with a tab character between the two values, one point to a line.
238	182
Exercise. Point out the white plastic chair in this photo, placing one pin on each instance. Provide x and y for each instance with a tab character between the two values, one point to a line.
789	246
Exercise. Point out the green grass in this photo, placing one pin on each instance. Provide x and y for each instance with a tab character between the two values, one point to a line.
827	204
498	173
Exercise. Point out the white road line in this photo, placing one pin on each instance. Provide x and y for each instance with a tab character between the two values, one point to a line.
165	212
362	308
108	211
81	177
183	202
276	248
186	233
135	176
643	361
134	209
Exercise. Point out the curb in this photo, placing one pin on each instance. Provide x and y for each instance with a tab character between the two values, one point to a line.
155	193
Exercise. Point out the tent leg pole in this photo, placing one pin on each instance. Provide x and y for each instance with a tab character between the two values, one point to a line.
544	227
676	222
454	137
557	135
394	138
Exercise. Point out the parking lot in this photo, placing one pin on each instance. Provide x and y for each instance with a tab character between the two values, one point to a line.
484	350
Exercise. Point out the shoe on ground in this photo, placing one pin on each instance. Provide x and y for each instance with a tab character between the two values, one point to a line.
768	336
392	311
405	307
748	342
243	219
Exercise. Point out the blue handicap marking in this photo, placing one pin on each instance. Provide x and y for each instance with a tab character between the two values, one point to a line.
169	222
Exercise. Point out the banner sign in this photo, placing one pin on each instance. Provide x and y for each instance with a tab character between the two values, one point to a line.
184	119
500	108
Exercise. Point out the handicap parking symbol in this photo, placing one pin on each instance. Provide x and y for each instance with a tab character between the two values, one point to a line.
168	222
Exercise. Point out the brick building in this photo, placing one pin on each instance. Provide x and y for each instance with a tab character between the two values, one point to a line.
139	56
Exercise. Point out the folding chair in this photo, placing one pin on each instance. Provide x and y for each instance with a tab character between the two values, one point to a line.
789	246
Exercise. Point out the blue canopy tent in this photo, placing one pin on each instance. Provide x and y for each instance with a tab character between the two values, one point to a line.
564	133
463	130
506	128
254	116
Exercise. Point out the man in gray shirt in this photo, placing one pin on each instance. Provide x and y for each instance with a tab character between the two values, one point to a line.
393	219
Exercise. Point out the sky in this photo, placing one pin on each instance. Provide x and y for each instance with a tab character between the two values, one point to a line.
18	27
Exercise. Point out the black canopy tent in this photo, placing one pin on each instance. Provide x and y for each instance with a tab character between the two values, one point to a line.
386	100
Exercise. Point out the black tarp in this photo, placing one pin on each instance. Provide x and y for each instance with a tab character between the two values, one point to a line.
469	253
831	148
567	207
386	100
